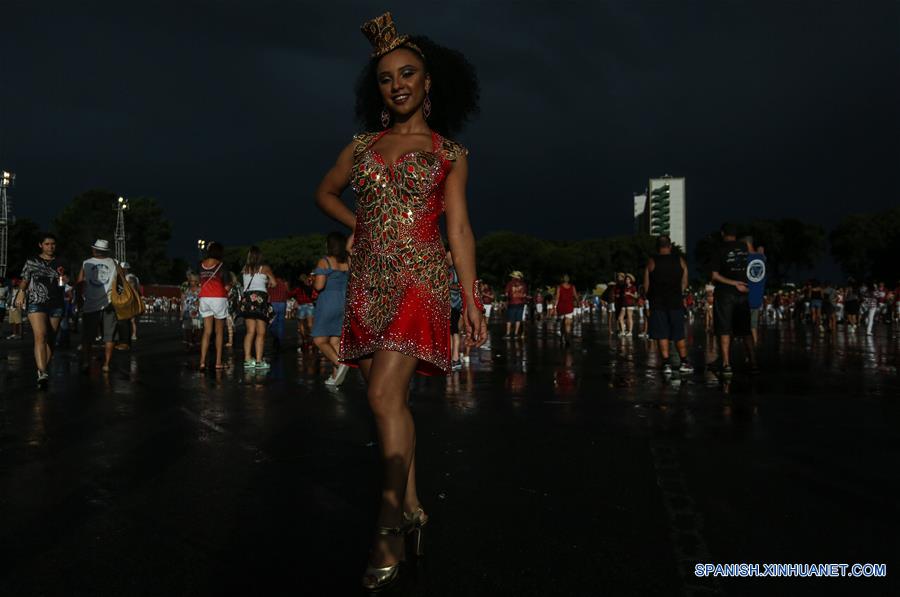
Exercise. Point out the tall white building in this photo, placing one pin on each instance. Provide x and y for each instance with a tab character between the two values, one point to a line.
641	225
662	210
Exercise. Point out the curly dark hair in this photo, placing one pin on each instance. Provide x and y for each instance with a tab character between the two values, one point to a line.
454	90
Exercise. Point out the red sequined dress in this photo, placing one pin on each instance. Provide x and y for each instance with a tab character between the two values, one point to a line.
398	295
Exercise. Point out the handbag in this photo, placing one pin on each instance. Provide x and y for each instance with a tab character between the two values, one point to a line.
127	303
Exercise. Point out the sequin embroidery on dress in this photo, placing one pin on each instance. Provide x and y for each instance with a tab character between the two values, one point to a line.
398	292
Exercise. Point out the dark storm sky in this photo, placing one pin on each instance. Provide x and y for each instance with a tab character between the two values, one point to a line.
230	112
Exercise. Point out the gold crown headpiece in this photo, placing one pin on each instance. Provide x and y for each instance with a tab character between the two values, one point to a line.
382	34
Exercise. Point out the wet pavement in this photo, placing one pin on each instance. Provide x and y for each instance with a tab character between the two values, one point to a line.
546	471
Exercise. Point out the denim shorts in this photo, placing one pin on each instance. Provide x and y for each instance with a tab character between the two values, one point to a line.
514	313
51	311
306	310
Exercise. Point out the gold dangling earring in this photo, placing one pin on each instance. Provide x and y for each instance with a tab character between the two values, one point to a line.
426	106
385	117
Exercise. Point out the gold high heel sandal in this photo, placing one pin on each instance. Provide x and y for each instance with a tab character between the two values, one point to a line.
413	523
378	578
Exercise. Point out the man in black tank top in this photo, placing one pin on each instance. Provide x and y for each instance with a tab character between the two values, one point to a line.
665	280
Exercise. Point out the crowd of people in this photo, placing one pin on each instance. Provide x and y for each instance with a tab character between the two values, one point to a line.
214	301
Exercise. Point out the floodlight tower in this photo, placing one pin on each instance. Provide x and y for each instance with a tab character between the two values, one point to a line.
7	179
121	206
201	248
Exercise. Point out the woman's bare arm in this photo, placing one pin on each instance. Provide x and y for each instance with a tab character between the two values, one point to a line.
462	244
336	180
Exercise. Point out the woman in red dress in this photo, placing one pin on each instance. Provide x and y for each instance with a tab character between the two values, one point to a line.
566	296
397	315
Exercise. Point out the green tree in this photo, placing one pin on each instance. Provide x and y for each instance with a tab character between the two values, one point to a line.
866	245
287	256
22	243
92	215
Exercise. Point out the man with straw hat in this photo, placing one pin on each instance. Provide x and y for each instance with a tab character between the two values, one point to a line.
516	297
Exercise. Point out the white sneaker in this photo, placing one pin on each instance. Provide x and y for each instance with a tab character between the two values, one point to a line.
465	359
340	375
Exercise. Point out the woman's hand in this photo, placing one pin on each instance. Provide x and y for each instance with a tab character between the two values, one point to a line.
350	245
476	326
20	300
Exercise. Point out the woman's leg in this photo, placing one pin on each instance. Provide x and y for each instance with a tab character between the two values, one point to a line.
323	343
204	342
411	499
40	326
388	392
220	340
250	325
260	338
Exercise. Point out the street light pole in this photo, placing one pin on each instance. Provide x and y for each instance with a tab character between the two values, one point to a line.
201	247
7	179
121	206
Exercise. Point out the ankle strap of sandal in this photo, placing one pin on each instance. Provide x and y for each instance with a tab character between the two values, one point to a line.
390	531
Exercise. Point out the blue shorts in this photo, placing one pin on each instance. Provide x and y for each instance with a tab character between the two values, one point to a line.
667	324
51	311
815	304
307	310
514	313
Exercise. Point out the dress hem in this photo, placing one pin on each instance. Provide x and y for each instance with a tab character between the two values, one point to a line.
426	366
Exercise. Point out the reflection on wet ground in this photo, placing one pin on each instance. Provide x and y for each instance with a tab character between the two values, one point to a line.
546	470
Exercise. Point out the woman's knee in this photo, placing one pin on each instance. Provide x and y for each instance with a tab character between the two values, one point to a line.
383	401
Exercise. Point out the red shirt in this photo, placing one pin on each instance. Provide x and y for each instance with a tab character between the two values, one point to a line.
212	281
631	295
516	292
279	292
305	295
565	299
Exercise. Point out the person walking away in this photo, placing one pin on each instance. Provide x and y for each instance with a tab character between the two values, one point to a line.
487	297
213	302
829	302
234	308
566	295
96	281
305	295
15	313
870	307
665	280
257	278
126	328
516	295
331	283
608	300
756	284
708	306
852	304
41	284
135	282
731	311
65	324
190	309
278	296
815	304
630	296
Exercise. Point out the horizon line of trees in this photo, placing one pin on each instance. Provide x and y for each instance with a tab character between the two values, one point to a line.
864	245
